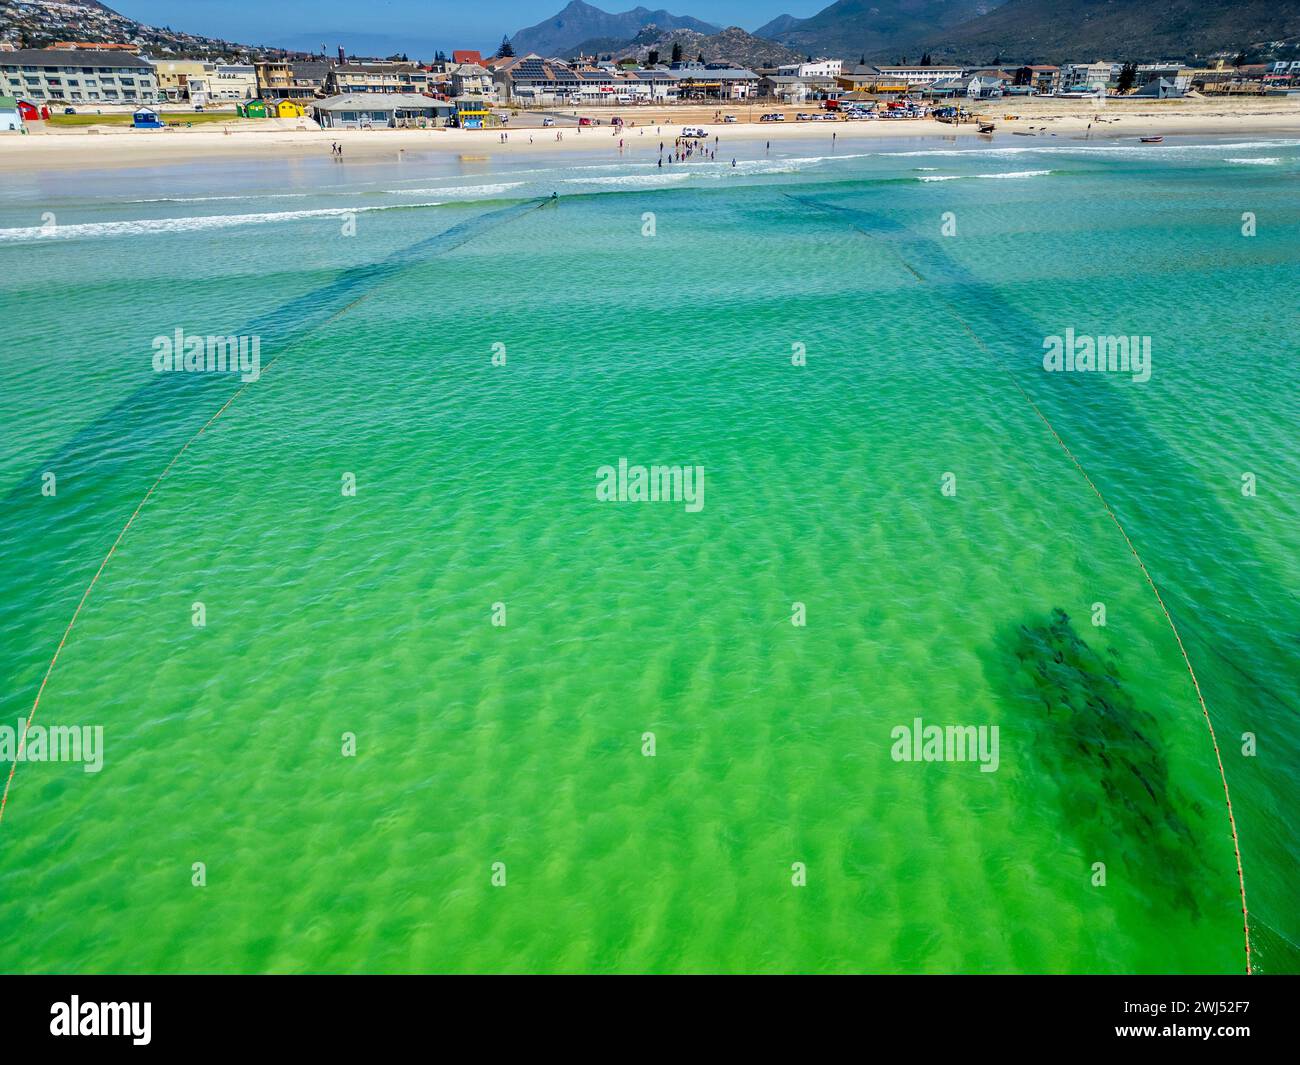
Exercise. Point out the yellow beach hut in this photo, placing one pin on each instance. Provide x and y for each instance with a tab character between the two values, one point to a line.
289	109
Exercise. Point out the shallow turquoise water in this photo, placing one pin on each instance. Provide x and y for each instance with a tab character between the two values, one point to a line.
523	744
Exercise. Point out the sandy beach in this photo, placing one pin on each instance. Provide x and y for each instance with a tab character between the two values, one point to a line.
116	146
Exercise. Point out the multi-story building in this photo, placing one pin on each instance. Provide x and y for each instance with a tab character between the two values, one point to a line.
1043	79
286	80
818	68
650	85
530	79
919	75
174	75
1084	76
75	76
470	79
795	89
712	82
377	77
1179	76
224	81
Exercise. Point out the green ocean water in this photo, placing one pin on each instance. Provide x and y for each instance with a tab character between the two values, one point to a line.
523	744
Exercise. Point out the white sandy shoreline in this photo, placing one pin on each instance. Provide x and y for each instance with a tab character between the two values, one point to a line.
112	147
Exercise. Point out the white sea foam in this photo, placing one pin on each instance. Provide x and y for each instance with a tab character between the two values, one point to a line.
149	226
1258	161
632	181
1017	174
467	191
213	199
1063	146
1008	174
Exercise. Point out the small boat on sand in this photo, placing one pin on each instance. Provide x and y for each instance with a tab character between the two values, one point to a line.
1151	140
985	127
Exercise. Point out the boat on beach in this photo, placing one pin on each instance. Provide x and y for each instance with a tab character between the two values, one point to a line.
1152	140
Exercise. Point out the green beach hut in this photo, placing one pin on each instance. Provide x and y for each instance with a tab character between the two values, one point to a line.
252	109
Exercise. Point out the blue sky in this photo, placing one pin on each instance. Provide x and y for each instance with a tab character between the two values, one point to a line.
417	27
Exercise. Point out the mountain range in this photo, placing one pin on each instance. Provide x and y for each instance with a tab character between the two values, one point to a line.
39	23
970	31
877	29
1052	31
732	45
579	22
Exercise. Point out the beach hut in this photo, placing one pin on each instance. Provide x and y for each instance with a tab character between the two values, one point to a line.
28	112
11	119
146	118
289	109
252	109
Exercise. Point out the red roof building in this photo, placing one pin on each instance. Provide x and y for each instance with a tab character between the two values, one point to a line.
466	56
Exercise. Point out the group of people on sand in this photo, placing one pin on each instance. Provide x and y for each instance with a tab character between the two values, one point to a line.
336	150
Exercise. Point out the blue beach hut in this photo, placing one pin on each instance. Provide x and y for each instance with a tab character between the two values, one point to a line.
146	118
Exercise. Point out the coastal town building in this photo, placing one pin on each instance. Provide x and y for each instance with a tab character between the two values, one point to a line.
1178	76
1077	77
820	68
74	76
1159	89
288	80
530	79
224	81
357	77
471	79
920	75
174	76
979	86
795	89
389	110
700	81
649	85
1041	78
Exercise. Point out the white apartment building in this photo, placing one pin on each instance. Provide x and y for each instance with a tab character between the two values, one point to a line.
819	68
919	75
233	81
77	76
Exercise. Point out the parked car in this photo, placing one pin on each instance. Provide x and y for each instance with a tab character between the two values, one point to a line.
728	118
584	122
803	116
548	122
775	116
693	131
198	107
68	110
